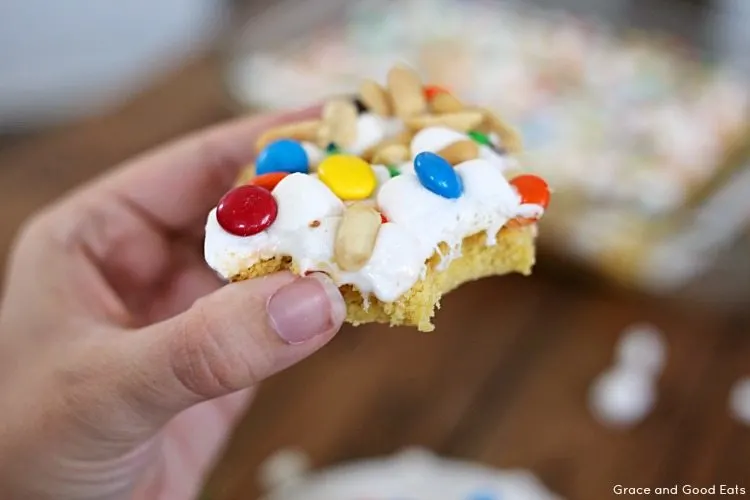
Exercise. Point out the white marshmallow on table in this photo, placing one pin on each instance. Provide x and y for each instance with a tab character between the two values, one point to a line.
283	467
739	400
642	347
412	474
622	397
626	393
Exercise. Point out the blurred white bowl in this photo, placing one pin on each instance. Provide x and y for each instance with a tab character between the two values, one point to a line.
60	60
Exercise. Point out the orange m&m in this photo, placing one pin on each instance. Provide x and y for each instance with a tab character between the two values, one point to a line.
268	181
532	189
430	91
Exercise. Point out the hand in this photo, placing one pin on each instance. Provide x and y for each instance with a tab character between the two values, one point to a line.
112	324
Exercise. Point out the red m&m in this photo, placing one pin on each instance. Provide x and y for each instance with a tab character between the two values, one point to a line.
246	210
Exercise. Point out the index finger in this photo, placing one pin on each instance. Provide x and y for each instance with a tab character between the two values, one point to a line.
176	185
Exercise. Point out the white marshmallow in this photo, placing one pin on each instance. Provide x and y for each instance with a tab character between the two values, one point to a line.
739	400
642	347
489	154
302	198
283	467
621	398
371	129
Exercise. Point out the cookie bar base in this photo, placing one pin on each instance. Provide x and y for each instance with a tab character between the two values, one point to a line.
513	252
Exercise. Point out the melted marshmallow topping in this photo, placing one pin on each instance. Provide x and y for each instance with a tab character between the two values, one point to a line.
418	221
435	139
372	129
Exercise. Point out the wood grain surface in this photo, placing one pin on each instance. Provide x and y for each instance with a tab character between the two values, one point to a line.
503	380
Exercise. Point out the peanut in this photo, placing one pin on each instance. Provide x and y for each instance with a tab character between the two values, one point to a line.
355	237
460	151
510	139
339	123
463	121
445	103
403	138
405	89
391	154
375	98
300	131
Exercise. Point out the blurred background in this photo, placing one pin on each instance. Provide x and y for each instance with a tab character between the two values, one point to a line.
636	111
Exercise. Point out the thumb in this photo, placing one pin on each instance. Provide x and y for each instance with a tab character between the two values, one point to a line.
233	339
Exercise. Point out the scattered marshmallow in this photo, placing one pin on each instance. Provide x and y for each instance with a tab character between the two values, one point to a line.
642	347
622	397
283	467
414	473
739	400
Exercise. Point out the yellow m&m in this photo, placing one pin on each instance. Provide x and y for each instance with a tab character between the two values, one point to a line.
349	177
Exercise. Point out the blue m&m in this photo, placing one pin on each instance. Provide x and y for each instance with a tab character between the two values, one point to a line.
437	175
284	155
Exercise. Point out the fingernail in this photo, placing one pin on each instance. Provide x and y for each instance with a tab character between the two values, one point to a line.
306	308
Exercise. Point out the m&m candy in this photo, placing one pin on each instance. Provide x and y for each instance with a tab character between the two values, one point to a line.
437	175
531	189
268	181
395	172
430	91
480	138
349	177
284	155
246	210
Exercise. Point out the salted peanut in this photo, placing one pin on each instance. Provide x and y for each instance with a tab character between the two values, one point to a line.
339	123
370	203
445	102
460	151
463	121
300	131
375	98
402	138
510	138
405	89
391	154
356	235
368	154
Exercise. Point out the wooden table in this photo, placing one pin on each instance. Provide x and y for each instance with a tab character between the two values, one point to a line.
503	380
